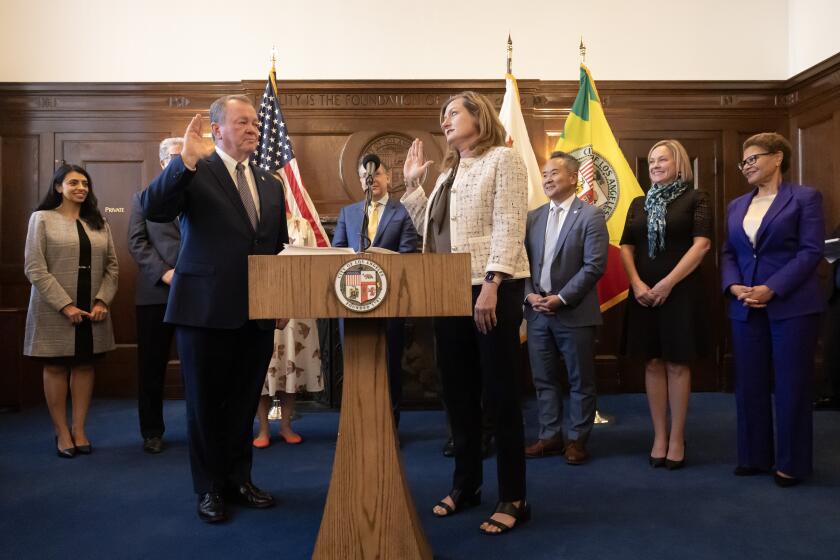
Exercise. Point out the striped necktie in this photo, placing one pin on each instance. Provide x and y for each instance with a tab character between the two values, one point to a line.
245	195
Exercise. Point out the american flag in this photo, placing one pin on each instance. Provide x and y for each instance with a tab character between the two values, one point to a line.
275	154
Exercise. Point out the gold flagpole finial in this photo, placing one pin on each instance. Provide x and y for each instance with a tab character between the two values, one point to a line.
509	54
582	50
273	61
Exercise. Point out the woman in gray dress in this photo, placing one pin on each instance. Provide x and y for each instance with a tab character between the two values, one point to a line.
72	265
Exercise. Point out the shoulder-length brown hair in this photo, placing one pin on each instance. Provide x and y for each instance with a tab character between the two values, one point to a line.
491	132
681	159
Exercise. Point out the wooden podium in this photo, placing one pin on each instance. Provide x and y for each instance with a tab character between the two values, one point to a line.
369	511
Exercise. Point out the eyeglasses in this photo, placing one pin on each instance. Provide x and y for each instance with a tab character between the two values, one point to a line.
751	160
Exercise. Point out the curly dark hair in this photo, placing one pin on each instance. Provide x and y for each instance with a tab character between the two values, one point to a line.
772	142
89	211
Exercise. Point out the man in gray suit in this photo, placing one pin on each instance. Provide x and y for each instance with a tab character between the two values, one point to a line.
567	242
154	247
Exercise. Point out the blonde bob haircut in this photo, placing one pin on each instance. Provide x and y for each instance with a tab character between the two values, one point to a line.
491	132
681	159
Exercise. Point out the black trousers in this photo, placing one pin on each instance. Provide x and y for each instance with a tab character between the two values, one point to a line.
471	362
224	371
154	339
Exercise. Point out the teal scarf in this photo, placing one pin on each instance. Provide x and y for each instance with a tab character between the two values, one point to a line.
656	204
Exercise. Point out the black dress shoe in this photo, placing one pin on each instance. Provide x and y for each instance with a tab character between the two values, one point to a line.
449	448
784	481
68	453
248	495
656	462
211	507
152	445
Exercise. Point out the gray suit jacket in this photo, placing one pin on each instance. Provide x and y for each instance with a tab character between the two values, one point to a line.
154	247
51	263
579	261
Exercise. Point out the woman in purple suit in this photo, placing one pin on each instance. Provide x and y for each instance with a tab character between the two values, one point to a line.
769	263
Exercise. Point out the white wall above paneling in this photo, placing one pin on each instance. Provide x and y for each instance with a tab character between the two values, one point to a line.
813	33
220	40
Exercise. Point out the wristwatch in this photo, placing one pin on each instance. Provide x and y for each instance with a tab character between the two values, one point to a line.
490	278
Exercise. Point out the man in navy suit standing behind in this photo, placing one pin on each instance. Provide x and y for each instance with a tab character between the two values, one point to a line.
389	227
228	210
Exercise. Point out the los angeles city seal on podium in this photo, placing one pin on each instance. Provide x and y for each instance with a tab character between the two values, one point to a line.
361	285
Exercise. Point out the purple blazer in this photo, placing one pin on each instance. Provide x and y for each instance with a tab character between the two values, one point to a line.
789	246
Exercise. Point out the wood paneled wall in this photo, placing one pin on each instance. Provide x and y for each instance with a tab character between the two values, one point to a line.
114	130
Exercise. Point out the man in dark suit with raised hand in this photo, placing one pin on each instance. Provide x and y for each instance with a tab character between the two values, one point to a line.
154	247
567	241
389	227
228	210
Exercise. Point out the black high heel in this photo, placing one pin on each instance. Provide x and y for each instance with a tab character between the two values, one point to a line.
68	453
461	499
82	449
674	465
656	462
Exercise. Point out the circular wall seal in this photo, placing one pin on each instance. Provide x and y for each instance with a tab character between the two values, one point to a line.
391	149
604	188
361	285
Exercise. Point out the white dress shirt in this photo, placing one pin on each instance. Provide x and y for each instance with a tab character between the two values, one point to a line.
230	164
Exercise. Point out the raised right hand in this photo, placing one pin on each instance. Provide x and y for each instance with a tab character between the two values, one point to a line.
415	166
75	314
195	148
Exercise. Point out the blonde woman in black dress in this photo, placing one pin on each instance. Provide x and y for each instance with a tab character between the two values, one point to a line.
666	235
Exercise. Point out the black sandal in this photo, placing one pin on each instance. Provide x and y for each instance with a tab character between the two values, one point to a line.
461	499
521	514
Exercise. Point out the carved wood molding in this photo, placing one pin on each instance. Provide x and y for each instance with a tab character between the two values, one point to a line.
539	98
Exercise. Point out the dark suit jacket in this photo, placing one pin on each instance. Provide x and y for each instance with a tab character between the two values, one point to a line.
154	247
210	288
395	231
579	261
789	246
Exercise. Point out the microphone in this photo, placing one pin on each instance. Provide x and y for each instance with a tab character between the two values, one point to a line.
371	163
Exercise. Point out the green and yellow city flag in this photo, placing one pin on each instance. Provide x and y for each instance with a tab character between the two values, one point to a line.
605	178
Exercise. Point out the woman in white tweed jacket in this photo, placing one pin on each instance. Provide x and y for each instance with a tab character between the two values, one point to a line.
479	206
72	265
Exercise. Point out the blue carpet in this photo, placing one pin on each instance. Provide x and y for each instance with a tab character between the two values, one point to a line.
122	503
